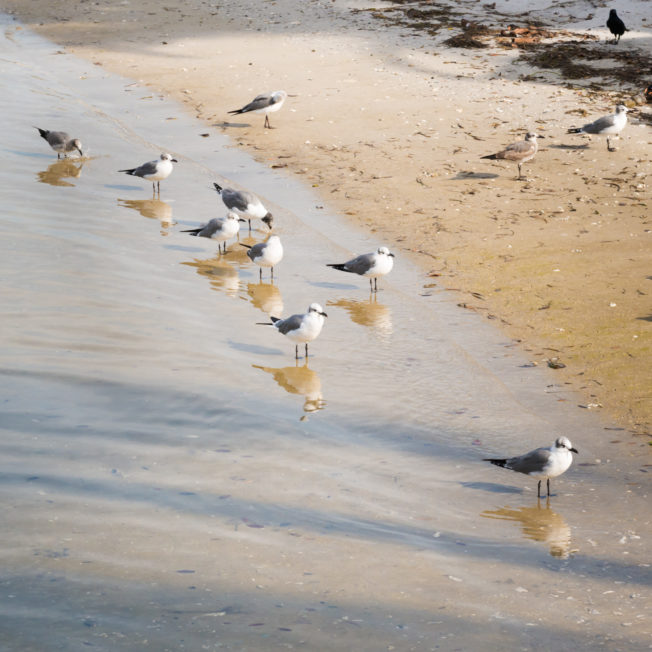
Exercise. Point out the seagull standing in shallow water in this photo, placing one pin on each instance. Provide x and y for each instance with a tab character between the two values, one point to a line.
154	171
266	254
373	265
542	462
244	203
521	152
219	228
609	125
301	329
266	103
61	142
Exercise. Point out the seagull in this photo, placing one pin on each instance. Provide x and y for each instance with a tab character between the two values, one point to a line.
219	228
608	125
616	25
266	254
521	152
154	171
244	203
300	328
373	265
542	462
61	142
266	103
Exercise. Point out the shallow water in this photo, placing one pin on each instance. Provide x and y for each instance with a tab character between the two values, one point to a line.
172	479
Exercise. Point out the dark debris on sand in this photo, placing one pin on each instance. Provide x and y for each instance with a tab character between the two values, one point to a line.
568	52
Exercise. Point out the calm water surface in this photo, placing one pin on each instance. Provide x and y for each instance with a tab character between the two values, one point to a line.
172	479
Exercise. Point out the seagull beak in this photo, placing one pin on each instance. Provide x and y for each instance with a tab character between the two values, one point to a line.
573	450
390	254
241	219
268	219
174	160
80	152
539	136
323	314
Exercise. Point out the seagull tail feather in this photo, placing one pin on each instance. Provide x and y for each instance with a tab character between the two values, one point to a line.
129	171
496	462
218	188
44	132
340	266
574	130
493	157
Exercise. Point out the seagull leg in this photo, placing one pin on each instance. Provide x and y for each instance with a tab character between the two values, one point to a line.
609	147
260	274
249	226
306	351
520	175
272	270
548	483
296	351
539	489
267	121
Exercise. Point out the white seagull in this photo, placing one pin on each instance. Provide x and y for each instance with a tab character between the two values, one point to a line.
244	203
520	152
609	125
542	462
373	265
300	329
266	103
61	142
266	254
154	171
219	228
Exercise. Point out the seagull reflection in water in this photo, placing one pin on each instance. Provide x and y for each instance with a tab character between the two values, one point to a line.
299	380
223	277
154	209
370	314
266	297
538	524
61	169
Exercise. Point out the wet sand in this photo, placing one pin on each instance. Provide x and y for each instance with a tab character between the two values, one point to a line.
388	124
170	478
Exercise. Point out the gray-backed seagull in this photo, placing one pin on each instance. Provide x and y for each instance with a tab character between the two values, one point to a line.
373	265
266	254
219	228
542	463
300	329
154	171
244	203
61	142
265	103
609	125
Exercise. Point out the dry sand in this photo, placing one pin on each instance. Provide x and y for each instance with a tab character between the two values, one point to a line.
388	124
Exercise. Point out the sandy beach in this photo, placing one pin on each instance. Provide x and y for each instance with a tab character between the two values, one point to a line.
388	124
172	478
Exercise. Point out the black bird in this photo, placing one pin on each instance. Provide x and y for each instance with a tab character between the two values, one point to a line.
616	26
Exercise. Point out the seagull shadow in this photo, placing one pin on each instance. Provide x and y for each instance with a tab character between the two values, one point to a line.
571	147
234	125
334	286
648	318
492	487
115	186
253	348
474	175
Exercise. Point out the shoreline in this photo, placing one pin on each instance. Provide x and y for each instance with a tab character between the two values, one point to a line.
560	262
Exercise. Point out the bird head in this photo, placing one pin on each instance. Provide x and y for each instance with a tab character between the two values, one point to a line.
315	307
269	219
564	442
384	251
78	146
